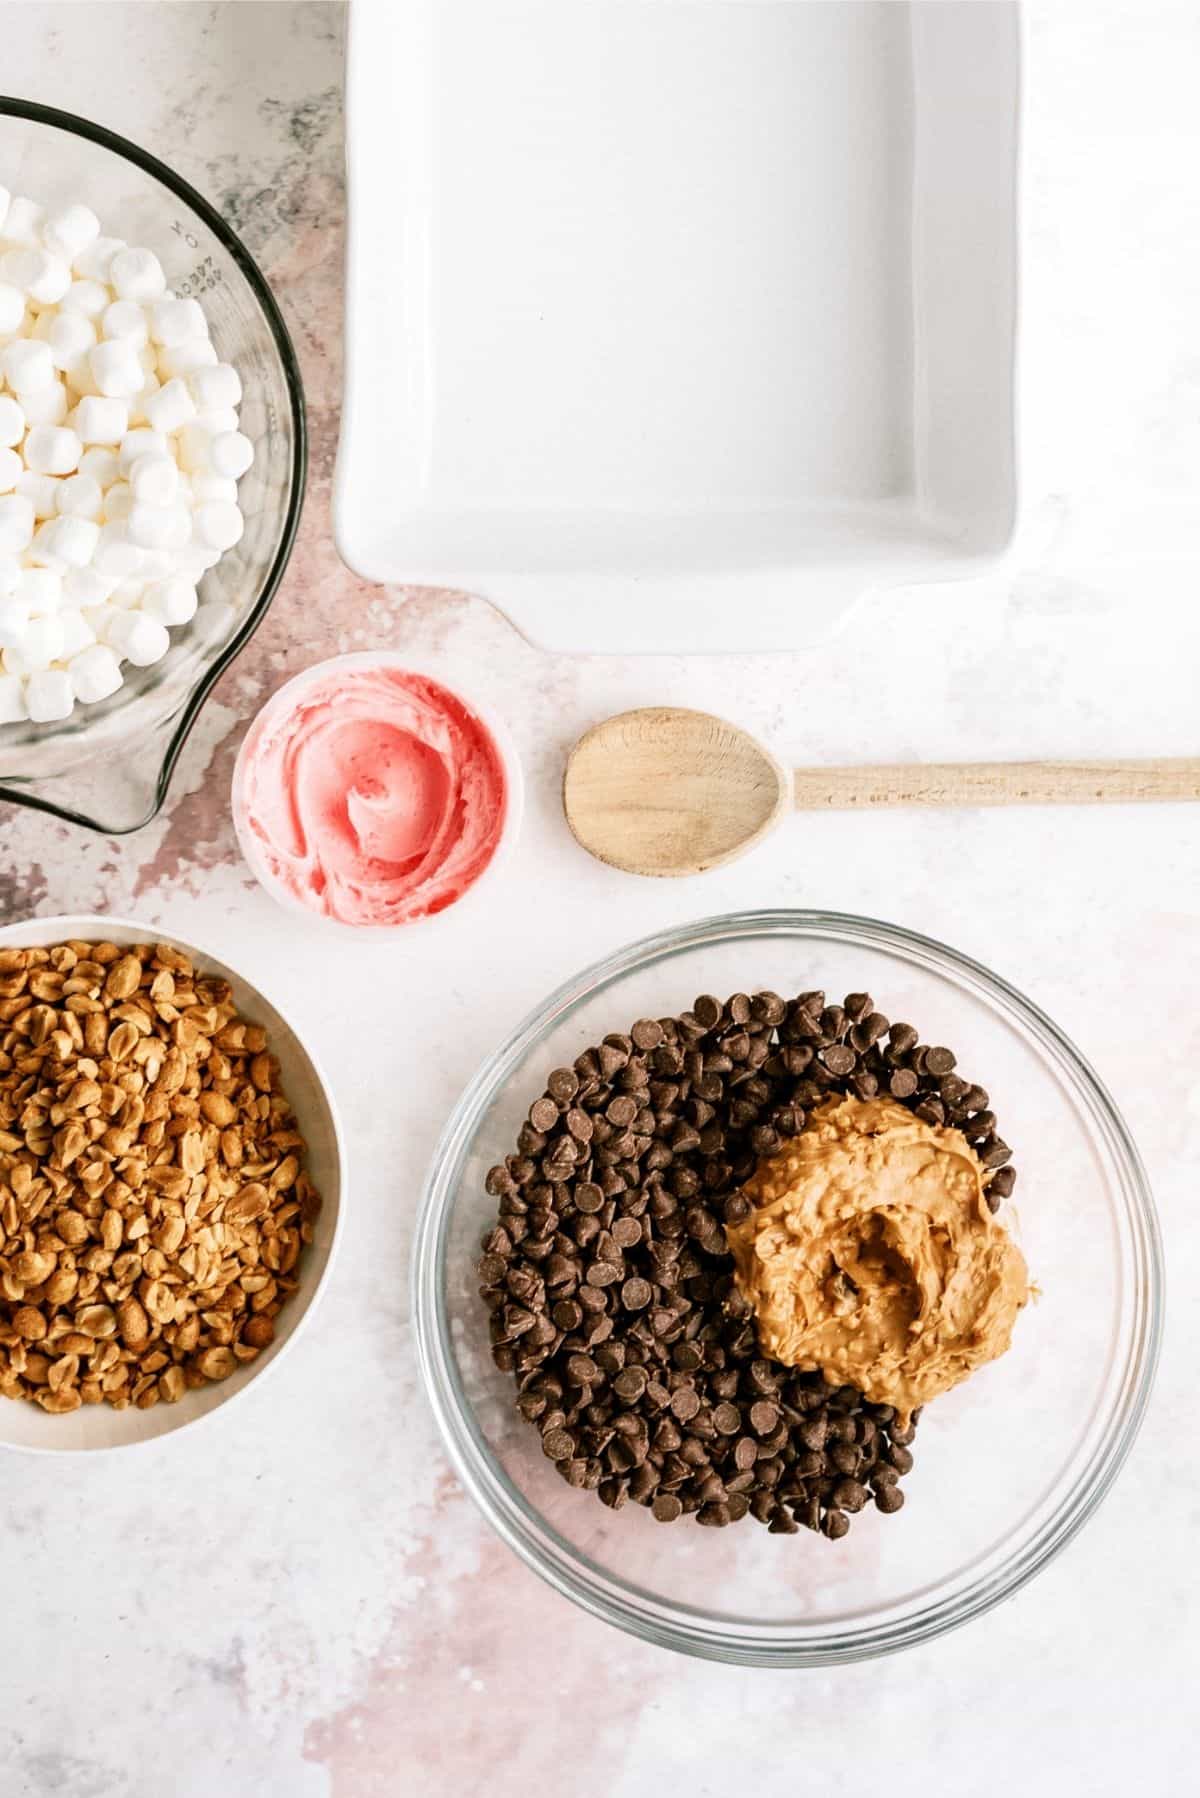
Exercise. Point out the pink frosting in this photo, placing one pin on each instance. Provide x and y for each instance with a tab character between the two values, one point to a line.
375	797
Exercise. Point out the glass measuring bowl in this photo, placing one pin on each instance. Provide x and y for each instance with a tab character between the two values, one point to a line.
1008	1466
108	766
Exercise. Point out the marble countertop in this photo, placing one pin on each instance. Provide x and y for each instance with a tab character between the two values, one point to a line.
299	1602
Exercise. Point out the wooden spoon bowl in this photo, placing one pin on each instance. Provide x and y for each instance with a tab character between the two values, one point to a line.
665	791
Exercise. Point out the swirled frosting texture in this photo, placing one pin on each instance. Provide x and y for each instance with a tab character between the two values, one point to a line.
377	798
871	1254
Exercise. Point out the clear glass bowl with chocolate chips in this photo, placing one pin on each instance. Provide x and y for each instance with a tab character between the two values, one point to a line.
596	1373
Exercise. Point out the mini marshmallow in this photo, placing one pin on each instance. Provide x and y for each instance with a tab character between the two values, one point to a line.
137	275
219	524
10	575
138	638
186	358
118	502
77	633
140	443
41	644
66	541
52	449
27	365
137	405
173	322
12	308
70	231
88	297
100	419
152	527
41	490
215	388
125	320
46	405
12	421
212	486
93	263
100	463
230	454
84	587
115	368
194	446
218	420
80	496
44	277
23	221
70	336
157	564
13	709
115	554
14	621
181	529
170	407
154	480
49	695
11	466
171	601
95	673
126	596
40	591
16	522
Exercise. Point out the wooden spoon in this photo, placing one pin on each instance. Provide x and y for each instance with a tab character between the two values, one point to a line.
667	791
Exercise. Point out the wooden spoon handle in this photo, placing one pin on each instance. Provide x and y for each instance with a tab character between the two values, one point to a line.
996	783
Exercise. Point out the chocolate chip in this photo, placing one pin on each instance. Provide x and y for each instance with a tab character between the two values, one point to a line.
903	1083
667	1507
763	1418
939	1061
543	1114
685	1403
636	1294
840	1059
603	1273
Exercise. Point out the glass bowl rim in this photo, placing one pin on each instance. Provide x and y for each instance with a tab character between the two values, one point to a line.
73	123
669	1625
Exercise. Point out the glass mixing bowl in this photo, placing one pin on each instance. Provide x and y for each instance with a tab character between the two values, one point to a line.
108	765
1007	1466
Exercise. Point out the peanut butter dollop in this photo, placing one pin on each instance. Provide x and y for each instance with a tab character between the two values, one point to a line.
871	1255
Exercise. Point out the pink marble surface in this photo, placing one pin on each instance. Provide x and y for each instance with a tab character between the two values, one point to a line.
301	1602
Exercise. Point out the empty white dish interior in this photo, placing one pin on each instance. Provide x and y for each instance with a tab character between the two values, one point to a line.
658	301
27	1426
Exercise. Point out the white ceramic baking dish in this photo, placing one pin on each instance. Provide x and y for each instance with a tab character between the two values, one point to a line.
676	324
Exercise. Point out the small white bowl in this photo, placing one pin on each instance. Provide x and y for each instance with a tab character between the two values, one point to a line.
26	1426
286	698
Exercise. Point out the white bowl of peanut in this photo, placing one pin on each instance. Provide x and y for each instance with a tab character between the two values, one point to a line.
170	1184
